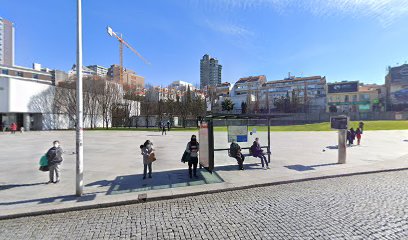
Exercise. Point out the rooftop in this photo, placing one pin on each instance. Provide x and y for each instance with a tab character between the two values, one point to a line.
252	79
296	79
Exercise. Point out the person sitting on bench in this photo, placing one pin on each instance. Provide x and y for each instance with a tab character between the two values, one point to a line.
235	152
257	151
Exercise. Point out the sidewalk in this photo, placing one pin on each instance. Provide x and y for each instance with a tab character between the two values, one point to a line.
108	185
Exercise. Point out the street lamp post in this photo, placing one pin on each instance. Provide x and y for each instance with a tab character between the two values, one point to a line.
79	119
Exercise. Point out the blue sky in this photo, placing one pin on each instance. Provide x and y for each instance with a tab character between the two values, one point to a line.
339	39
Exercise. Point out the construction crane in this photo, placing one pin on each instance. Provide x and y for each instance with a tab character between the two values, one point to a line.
121	43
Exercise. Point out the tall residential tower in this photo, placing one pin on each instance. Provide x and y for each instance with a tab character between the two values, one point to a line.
6	42
210	72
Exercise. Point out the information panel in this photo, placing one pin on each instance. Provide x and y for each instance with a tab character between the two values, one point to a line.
204	148
339	122
238	133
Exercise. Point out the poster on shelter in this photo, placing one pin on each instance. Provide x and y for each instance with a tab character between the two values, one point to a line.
238	133
204	148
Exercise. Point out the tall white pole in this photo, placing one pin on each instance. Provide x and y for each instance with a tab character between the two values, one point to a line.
79	119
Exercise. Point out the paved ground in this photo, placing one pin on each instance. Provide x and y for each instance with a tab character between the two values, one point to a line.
113	165
372	206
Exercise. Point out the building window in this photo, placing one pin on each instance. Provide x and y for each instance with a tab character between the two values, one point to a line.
5	71
20	74
365	97
354	98
346	98
35	76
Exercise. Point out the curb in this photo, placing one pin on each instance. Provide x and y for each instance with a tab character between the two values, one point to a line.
142	198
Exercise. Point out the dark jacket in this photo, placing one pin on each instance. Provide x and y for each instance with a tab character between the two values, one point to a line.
234	149
54	155
256	149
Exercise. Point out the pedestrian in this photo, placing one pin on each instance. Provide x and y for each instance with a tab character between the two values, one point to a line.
258	152
4	126
235	152
361	126
352	136
148	157
54	157
359	132
348	137
13	128
193	148
163	129
168	125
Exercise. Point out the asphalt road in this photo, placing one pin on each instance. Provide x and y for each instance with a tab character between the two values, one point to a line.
372	206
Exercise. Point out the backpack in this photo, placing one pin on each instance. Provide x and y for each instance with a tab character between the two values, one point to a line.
51	154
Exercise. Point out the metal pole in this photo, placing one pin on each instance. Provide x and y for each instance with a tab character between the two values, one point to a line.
79	122
342	146
269	140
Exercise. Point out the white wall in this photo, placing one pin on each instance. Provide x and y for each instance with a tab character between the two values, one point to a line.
22	93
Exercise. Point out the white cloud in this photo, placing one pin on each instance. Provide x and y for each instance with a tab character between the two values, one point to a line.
386	12
229	29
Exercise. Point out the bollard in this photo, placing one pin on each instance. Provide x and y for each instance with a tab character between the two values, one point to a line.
342	146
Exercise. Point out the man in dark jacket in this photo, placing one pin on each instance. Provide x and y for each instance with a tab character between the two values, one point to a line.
54	157
235	152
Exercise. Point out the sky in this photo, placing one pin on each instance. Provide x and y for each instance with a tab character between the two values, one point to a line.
339	39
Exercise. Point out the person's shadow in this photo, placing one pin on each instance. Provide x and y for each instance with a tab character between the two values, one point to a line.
10	186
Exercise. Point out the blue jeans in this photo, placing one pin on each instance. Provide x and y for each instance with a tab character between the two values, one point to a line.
263	159
145	169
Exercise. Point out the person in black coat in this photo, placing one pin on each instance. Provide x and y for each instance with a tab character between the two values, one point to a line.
54	157
235	152
352	136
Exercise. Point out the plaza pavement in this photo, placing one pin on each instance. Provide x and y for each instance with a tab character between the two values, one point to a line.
113	166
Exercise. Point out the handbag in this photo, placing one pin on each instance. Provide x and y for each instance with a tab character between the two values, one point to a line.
43	160
152	157
44	168
186	156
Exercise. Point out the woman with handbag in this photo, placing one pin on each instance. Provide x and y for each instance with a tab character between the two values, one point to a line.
192	149
148	157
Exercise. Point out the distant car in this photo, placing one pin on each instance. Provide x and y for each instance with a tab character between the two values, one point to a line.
401	94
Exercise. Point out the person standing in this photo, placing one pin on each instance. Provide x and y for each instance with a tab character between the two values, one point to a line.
352	136
13	128
168	125
163	129
361	126
54	157
235	152
258	152
148	157
192	149
359	132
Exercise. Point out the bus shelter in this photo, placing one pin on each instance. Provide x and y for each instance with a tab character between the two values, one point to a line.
206	134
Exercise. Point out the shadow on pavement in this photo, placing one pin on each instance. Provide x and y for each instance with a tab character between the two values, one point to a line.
10	186
251	166
126	184
161	180
65	198
302	168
